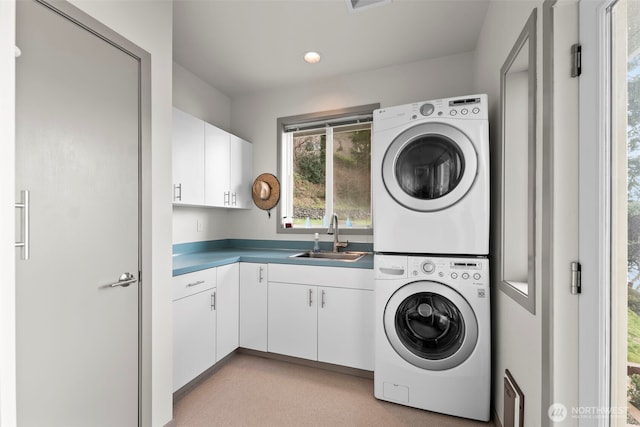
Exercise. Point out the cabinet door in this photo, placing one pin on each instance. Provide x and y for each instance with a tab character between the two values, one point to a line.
253	306
293	320
194	336
188	161
241	173
216	154
227	300
346	327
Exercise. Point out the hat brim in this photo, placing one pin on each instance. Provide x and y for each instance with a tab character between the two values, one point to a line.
274	194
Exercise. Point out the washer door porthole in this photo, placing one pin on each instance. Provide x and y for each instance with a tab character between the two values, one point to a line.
429	167
430	325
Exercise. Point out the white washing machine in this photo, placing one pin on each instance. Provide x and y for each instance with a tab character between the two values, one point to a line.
433	333
430	177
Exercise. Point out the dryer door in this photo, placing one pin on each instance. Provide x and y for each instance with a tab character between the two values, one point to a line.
429	167
430	325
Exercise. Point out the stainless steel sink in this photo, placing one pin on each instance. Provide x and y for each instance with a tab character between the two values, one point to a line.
331	256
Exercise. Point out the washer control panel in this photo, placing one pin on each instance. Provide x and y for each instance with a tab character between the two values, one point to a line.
472	107
462	270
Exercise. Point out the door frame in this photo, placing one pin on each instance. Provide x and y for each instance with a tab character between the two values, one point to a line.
595	206
559	211
7	198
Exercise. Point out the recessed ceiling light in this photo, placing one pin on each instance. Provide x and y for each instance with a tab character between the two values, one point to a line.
312	57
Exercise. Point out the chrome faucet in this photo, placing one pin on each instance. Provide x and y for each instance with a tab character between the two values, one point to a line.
333	229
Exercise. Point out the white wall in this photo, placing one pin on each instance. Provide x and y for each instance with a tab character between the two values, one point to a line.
7	225
149	25
192	95
253	117
517	334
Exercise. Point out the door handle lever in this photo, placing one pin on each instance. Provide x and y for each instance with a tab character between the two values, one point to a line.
125	280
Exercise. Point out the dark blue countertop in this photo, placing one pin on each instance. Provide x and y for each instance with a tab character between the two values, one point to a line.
190	257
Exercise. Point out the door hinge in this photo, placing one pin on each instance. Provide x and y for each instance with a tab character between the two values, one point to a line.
576	60
576	278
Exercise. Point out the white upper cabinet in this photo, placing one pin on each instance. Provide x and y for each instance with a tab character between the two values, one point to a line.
241	157
216	176
229	169
188	162
211	167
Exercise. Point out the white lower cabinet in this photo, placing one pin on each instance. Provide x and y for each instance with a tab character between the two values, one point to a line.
293	320
332	322
227	305
205	320
316	313
194	325
346	327
253	306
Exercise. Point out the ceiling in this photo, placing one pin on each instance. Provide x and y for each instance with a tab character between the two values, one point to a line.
246	46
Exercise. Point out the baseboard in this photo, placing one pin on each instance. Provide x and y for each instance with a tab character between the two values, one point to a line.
186	389
496	419
310	363
171	423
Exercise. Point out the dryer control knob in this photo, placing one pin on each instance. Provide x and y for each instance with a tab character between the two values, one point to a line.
427	109
428	267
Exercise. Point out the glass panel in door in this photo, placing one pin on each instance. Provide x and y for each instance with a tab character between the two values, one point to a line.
625	212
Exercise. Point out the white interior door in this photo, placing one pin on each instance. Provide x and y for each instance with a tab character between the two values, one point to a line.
77	153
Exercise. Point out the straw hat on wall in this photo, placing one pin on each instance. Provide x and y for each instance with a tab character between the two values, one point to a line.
266	191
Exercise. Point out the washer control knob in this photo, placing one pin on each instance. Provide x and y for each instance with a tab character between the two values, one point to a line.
465	276
454	275
427	109
428	267
476	276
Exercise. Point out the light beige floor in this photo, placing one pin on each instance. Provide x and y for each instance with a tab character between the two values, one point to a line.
255	391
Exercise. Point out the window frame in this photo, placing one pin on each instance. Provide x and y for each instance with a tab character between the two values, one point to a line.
301	119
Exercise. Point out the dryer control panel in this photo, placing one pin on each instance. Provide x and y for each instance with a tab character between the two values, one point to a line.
461	270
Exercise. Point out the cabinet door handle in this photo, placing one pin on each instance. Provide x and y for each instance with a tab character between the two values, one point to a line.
226	198
260	274
322	299
310	297
199	282
233	199
213	301
177	197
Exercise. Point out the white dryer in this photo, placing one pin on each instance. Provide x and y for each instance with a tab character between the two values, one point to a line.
433	333
430	177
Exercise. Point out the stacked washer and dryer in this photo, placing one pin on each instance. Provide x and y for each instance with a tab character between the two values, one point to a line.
430	163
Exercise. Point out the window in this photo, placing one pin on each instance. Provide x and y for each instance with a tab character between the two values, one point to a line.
324	165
